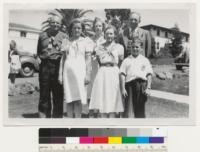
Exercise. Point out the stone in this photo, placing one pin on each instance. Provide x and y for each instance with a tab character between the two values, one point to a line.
169	75
161	75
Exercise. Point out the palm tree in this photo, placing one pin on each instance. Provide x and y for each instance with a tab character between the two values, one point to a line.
67	15
117	17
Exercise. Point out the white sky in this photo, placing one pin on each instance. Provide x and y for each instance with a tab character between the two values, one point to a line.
165	18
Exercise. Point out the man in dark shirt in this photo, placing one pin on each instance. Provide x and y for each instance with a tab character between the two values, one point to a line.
132	31
49	51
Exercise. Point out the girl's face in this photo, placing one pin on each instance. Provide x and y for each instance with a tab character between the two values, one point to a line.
109	35
98	27
135	49
76	30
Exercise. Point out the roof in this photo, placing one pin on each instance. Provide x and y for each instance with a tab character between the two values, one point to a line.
164	28
21	27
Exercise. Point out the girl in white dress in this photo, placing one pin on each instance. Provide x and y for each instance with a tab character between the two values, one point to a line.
106	95
75	69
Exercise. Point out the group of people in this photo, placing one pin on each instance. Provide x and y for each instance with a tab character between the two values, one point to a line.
102	76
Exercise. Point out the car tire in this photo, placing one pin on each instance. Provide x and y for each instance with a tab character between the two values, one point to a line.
27	70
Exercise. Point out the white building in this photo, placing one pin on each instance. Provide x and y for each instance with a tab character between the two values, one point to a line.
163	35
26	37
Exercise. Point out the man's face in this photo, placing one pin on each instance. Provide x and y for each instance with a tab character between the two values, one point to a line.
134	20
55	23
116	21
135	49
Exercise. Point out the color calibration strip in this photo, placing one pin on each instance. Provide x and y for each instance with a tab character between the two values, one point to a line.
101	140
100	136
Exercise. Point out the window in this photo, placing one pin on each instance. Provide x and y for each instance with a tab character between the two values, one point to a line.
166	34
23	34
158	32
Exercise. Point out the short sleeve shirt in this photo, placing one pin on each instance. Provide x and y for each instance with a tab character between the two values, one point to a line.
113	54
134	68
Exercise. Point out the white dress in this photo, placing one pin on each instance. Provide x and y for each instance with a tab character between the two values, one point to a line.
106	95
74	70
94	63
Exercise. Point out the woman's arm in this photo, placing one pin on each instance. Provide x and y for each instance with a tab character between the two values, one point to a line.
88	59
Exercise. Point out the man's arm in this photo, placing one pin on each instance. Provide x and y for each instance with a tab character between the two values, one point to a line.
148	41
122	85
149	80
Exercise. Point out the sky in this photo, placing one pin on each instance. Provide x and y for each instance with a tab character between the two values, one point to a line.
166	18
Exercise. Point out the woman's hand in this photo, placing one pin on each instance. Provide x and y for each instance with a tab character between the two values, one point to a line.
124	93
87	80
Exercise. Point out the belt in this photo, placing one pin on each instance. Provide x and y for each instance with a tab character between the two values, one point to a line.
107	65
51	60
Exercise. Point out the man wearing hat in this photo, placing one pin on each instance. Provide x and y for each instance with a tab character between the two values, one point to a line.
132	31
49	51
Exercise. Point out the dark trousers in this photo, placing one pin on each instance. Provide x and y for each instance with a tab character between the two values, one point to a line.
12	77
51	92
139	97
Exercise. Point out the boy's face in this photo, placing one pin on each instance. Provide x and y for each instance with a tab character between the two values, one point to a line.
135	49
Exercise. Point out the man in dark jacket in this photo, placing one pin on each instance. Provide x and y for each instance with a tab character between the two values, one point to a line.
132	31
49	51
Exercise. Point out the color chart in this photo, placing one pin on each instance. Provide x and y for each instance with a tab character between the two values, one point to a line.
102	139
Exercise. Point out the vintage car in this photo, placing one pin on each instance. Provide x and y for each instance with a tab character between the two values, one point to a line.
29	64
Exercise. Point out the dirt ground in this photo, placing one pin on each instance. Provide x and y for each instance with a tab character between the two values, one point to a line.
25	106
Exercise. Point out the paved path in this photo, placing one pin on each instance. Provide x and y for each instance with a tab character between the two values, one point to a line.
170	96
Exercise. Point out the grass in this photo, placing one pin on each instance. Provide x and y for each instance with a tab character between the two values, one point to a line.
25	106
162	61
179	85
161	108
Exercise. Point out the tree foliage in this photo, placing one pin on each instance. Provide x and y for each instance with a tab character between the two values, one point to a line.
117	17
176	41
67	15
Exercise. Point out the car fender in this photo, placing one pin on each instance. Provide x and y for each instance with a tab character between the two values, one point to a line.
30	59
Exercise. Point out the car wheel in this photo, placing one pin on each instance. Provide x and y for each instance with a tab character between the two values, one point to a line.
27	70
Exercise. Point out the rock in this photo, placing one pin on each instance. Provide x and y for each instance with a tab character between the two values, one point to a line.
161	75
27	88
169	75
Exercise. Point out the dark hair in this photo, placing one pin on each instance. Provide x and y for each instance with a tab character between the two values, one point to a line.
98	20
72	24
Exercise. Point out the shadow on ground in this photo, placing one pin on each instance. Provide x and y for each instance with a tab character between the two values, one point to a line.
30	115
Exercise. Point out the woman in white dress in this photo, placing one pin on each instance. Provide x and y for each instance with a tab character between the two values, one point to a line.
106	94
98	39
75	69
